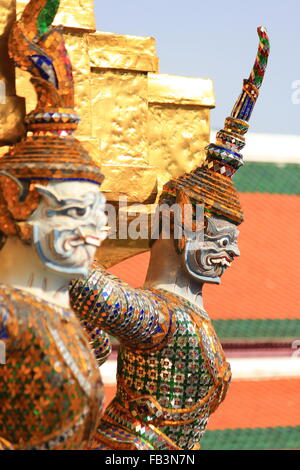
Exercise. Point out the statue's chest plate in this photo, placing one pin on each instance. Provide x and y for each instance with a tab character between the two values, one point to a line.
50	377
183	372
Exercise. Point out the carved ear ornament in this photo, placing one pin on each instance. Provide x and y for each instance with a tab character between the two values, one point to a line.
23	188
18	199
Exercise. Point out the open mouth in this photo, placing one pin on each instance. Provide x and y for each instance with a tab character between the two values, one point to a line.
79	241
73	243
223	260
91	239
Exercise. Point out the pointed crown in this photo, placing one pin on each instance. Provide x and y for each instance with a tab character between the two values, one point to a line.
211	183
49	151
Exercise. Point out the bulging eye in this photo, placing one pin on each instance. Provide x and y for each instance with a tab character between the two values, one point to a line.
223	242
80	211
77	211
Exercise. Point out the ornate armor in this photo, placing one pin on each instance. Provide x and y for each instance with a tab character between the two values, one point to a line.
51	392
172	373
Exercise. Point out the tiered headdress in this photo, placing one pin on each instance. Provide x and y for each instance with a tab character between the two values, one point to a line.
211	184
49	151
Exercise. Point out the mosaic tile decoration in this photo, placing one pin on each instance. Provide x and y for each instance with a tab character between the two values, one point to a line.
172	373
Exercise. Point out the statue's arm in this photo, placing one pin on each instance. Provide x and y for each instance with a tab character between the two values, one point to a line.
101	345
102	301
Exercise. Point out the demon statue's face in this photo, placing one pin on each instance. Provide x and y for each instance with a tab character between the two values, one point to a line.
208	256
68	225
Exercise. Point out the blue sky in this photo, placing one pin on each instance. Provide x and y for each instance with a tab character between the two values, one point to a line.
218	40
